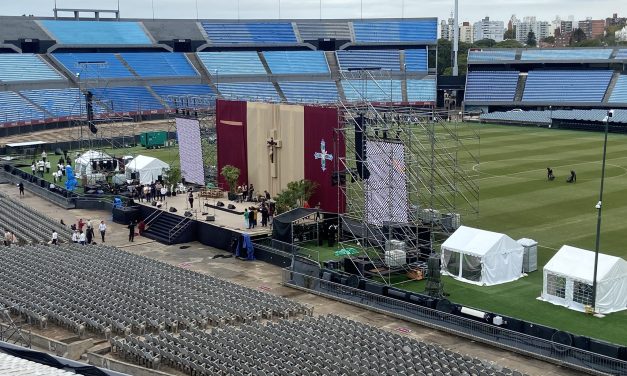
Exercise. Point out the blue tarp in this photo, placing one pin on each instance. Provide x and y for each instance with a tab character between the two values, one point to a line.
245	243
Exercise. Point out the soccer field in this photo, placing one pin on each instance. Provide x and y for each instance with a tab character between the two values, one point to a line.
517	199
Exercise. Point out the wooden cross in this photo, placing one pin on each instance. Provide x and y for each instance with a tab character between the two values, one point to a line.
273	143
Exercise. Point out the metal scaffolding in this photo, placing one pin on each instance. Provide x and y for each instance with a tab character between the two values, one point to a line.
410	178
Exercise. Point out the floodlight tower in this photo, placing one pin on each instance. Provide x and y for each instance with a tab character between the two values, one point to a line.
456	39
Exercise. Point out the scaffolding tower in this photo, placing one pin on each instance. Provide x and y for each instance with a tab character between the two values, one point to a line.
409	177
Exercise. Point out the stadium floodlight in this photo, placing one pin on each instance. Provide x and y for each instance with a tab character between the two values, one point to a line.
599	207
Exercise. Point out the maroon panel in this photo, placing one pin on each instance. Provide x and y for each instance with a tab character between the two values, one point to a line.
231	132
320	125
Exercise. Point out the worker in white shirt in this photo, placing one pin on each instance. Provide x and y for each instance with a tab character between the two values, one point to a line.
55	237
82	238
103	229
75	236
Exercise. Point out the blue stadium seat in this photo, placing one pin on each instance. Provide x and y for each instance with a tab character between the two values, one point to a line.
97	32
619	94
425	30
621	54
533	117
378	91
312	30
569	54
14	108
126	99
249	90
58	102
160	64
249	32
491	55
421	90
25	67
566	85
297	62
416	60
93	65
360	59
491	86
183	90
232	63
310	91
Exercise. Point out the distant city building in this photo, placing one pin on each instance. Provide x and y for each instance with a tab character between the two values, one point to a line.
566	27
466	33
541	29
446	29
486	29
592	28
563	39
621	35
615	21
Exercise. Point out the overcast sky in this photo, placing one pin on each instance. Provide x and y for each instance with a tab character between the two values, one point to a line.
471	10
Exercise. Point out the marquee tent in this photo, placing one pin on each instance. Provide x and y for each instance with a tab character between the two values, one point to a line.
147	168
84	164
481	257
568	280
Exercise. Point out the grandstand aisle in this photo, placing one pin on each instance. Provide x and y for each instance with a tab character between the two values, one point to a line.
266	277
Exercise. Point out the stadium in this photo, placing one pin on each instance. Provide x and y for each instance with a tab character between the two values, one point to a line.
407	224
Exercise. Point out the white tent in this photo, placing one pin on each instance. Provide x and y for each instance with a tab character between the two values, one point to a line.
481	257
83	164
148	168
568	280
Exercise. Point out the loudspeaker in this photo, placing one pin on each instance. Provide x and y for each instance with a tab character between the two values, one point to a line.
210	218
231	206
94	165
133	175
220	204
173	209
154	203
188	214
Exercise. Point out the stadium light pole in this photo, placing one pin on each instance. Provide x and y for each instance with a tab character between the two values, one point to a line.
599	208
456	40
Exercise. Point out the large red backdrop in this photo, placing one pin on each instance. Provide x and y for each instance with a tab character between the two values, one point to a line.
320	125
231	133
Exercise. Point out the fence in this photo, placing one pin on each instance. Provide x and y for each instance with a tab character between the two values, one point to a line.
497	336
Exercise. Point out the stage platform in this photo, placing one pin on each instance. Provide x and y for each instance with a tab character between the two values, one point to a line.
223	218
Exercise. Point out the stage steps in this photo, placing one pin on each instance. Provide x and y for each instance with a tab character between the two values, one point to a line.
160	228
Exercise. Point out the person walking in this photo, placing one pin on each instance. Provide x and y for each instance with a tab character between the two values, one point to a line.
190	198
75	237
33	168
254	215
89	234
246	216
131	231
164	191
20	186
103	229
55	237
47	164
81	238
264	215
81	224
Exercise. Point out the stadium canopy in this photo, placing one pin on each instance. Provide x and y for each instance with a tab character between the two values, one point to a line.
568	280
481	257
148	168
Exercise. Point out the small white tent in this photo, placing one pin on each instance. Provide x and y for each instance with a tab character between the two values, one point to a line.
83	164
481	257
568	280
147	168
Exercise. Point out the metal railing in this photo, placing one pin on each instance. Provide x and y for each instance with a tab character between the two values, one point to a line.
153	217
174	231
287	249
494	335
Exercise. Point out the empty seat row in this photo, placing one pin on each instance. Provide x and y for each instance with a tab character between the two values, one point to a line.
567	85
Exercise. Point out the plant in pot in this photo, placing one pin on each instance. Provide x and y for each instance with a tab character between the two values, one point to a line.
231	175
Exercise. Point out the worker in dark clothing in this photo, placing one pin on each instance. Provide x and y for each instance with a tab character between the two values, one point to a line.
572	178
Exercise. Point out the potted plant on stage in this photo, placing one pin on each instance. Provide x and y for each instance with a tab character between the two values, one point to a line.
231	175
172	177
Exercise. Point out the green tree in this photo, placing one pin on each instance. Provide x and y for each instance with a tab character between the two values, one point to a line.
588	43
550	39
231	175
510	43
296	193
445	49
578	36
173	175
531	39
510	34
485	43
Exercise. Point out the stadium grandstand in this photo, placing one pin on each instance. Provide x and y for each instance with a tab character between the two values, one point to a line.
135	67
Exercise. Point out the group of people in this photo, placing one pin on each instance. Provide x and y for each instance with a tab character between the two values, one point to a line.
246	192
155	191
9	238
265	210
85	237
571	179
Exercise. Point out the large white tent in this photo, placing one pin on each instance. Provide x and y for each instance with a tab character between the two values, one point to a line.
481	257
83	164
568	280
147	168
